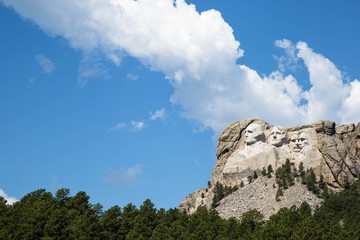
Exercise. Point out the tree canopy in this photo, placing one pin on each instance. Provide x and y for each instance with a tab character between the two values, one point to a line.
40	215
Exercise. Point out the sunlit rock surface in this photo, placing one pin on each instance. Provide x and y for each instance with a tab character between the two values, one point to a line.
244	146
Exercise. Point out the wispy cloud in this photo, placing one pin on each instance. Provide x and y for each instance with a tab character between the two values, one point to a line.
137	126
10	200
115	59
132	77
197	163
54	186
124	176
117	127
90	67
32	80
134	126
46	64
158	114
290	59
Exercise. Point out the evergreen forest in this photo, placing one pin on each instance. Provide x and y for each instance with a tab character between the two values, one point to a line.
41	215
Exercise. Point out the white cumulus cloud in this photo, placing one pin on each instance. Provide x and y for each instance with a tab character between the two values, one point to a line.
350	109
10	200
328	90
46	64
197	53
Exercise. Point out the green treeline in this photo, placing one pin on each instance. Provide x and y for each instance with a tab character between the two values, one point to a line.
285	177
220	192
40	215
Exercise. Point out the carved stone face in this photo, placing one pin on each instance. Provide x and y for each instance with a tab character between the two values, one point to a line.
298	141
277	136
254	133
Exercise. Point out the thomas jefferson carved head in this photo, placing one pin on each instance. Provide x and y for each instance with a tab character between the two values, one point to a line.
277	136
254	133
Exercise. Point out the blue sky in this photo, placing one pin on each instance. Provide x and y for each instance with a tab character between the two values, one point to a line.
125	99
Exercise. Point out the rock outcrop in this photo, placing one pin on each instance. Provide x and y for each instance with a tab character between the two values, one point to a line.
331	150
260	195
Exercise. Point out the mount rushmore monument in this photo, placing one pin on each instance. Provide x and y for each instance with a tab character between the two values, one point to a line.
331	150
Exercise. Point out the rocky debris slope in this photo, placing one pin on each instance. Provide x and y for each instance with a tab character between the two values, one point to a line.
331	150
260	195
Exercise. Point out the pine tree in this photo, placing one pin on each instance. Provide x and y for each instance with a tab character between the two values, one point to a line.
250	178
291	180
219	193
270	170
303	180
305	209
321	182
325	193
302	173
111	222
255	175
263	172
287	167
219	190
311	181
284	183
295	173
215	201
301	169
279	193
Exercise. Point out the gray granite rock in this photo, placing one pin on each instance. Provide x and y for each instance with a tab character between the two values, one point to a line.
260	195
244	146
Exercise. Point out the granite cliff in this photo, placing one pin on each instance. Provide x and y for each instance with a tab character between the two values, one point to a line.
332	151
